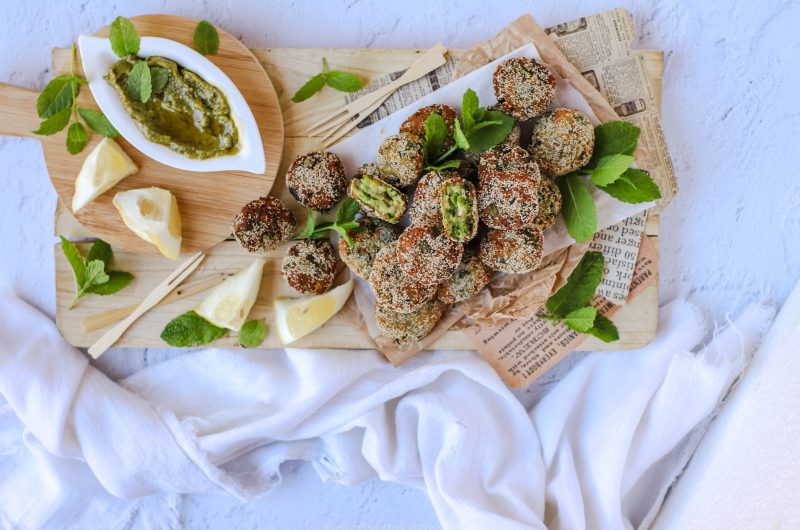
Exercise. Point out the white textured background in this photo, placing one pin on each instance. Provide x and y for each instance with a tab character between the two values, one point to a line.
731	83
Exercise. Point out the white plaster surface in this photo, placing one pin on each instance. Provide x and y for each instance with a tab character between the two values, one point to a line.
731	118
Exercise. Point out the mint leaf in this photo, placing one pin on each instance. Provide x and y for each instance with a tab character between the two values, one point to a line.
140	85
309	229
102	251
633	186
95	273
190	329
609	168
124	37
445	165
98	122
54	123
343	82
311	87
435	136
75	261
347	211
578	209
580	286
206	38
494	128
460	137
159	76
604	329
469	107
581	319
117	280
76	138
614	138
56	96
253	333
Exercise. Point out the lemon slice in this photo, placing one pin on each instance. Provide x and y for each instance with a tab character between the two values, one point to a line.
297	317
105	166
228	305
152	214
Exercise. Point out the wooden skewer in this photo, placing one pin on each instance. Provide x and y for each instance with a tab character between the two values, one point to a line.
159	293
106	318
356	110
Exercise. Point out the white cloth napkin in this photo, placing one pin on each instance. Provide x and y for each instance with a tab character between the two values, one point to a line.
598	451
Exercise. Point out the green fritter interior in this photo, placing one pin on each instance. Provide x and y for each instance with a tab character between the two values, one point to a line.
384	200
457	211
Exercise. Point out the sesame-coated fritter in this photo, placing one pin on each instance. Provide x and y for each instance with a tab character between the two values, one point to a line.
562	141
401	158
415	124
549	204
263	224
394	289
512	251
426	208
310	266
317	180
507	200
378	199
426	255
506	157
467	281
367	242
524	88
403	328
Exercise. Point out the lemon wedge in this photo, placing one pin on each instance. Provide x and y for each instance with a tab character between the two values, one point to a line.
228	305
297	317
152	214
105	166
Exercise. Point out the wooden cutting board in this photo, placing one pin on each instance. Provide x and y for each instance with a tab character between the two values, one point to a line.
288	69
207	201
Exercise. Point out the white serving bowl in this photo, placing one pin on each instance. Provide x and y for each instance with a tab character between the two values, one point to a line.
97	58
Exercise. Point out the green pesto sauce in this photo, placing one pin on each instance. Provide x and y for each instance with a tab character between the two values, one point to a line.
190	116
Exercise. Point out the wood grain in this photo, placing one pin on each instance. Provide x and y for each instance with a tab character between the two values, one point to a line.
207	201
288	69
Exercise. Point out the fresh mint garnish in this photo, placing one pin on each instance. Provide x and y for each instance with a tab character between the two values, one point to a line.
58	102
614	138
345	222
633	186
98	122
76	138
578	209
124	37
570	304
480	129
91	275
140	83
253	333
609	168
336	79
206	38
190	329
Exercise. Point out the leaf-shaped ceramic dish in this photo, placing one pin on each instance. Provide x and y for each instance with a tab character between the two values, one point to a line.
97	58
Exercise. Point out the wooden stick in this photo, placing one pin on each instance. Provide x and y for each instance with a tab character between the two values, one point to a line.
106	318
159	293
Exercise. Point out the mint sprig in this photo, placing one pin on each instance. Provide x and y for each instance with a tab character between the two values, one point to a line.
570	304
91	275
58	103
336	79
481	129
345	222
